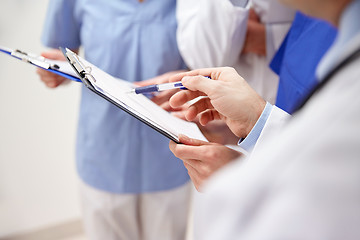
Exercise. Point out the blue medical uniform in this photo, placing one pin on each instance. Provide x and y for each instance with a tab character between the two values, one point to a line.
133	41
308	40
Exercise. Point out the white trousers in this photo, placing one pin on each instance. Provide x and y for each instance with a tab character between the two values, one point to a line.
151	216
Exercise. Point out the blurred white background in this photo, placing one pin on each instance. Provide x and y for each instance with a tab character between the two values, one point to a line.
38	181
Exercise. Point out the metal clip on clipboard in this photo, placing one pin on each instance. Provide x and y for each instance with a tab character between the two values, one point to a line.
86	77
33	59
78	66
90	82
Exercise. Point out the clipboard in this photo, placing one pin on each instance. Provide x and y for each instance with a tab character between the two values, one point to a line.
138	106
58	67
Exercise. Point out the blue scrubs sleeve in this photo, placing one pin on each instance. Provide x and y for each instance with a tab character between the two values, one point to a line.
61	28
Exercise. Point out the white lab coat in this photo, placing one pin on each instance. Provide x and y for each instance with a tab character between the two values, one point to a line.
211	33
302	180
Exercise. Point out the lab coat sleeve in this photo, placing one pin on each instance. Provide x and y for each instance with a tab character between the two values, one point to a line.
211	33
274	124
304	183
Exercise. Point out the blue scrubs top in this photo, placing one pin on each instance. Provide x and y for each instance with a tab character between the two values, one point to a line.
133	41
308	40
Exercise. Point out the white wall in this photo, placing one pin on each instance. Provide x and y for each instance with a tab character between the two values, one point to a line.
38	182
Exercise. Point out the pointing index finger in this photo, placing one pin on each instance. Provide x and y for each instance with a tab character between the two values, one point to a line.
213	73
199	83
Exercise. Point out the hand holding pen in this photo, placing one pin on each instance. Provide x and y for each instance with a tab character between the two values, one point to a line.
228	97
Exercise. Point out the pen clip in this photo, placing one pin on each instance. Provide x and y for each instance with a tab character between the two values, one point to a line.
31	58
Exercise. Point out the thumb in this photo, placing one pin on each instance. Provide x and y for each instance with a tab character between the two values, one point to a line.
190	141
54	55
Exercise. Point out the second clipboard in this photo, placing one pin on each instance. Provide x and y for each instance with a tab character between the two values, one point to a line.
60	68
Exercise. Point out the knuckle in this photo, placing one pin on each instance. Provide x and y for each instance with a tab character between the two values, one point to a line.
211	155
228	68
196	79
178	153
205	170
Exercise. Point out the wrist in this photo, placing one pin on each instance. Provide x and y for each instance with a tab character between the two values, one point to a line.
249	142
258	109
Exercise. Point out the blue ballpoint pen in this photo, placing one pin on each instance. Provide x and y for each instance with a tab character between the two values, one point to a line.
159	87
